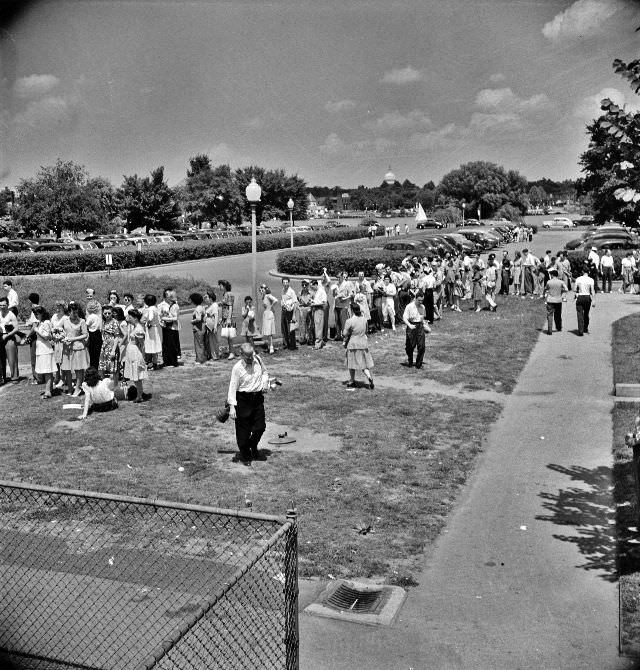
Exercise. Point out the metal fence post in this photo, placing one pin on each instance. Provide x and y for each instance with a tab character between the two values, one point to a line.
291	634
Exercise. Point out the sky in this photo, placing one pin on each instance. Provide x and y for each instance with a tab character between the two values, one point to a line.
335	91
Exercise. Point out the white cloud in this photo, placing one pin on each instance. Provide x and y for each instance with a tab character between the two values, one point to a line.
505	99
35	85
405	75
48	112
434	138
256	123
335	107
584	18
497	77
589	107
482	122
394	121
332	144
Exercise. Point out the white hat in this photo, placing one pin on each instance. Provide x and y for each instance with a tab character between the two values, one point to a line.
594	248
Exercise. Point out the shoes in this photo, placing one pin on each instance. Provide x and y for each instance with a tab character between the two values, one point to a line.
59	385
371	384
231	357
418	367
579	334
238	459
407	364
258	456
46	396
478	309
146	396
76	393
586	332
272	350
548	332
350	385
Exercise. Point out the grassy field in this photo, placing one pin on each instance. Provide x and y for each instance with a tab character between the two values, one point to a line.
626	364
375	476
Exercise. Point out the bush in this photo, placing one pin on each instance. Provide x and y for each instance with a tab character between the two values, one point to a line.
26	263
579	257
353	258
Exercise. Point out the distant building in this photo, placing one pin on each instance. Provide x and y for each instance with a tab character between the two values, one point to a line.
390	178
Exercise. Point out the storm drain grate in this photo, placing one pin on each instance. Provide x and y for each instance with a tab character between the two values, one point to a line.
359	602
363	601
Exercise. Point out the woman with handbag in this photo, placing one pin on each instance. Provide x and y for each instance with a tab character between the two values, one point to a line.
228	331
268	317
109	363
75	357
357	345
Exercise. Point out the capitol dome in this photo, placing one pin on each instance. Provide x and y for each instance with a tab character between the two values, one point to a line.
390	178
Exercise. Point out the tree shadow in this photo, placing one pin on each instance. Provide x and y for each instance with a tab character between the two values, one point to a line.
604	516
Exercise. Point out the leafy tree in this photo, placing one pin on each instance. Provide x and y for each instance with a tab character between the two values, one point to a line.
148	202
537	196
484	185
7	197
612	162
61	197
277	187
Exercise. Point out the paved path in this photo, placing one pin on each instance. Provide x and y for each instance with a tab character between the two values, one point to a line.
503	589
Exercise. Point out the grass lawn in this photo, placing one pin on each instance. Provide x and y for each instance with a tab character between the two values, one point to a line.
626	366
369	507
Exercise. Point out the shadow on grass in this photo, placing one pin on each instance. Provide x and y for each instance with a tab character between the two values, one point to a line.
604	535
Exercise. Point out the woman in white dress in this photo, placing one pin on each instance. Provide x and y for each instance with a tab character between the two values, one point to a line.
268	317
211	320
135	367
57	335
153	331
45	359
75	357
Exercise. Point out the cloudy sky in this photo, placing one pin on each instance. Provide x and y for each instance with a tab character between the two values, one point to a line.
333	90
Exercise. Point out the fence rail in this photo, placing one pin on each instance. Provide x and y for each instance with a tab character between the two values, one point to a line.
97	581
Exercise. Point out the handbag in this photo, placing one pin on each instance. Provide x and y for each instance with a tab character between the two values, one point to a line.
228	331
223	414
293	326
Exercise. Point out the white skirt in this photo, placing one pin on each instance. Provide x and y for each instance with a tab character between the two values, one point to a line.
268	323
45	364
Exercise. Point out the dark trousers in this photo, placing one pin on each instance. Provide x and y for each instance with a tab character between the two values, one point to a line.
415	340
583	306
428	304
94	346
3	362
505	278
607	276
250	423
325	323
340	314
554	314
593	273
170	346
288	335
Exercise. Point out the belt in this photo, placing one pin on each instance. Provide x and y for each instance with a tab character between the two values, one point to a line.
251	393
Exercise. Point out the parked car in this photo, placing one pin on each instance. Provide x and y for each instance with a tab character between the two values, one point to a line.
443	245
55	246
25	245
430	222
16	246
481	237
558	222
611	243
586	220
472	222
417	247
461	242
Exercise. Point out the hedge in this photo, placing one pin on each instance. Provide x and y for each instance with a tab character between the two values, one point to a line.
27	263
354	258
579	257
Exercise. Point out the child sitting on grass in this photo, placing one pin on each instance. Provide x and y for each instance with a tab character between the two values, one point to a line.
98	393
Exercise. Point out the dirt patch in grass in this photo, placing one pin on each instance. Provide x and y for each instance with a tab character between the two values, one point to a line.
369	506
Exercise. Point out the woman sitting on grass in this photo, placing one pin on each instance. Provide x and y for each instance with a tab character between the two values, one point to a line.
98	393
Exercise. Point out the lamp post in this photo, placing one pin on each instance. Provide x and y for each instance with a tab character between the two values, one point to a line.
464	204
253	193
290	205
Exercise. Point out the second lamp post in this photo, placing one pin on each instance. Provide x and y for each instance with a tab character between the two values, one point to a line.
290	205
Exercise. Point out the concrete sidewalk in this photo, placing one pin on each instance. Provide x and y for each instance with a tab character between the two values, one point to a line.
508	586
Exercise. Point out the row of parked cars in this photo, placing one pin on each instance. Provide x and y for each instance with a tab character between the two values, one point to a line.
608	236
466	240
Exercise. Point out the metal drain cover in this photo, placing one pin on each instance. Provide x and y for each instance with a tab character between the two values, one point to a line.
360	602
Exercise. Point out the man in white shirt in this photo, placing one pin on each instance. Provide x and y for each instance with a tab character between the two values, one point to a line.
606	270
289	302
318	305
414	319
585	293
529	264
12	295
594	261
249	381
170	320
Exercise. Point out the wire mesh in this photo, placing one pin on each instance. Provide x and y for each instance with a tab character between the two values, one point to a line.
113	583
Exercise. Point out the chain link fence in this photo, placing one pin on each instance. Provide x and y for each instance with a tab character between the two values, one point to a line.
91	580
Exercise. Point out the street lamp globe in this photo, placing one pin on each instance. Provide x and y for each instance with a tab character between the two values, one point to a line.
253	191
290	204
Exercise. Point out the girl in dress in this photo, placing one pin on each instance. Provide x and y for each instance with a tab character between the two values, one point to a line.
109	363
226	317
357	345
135	367
57	335
198	327
248	329
120	319
268	317
153	332
517	272
211	319
75	357
477	292
45	359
